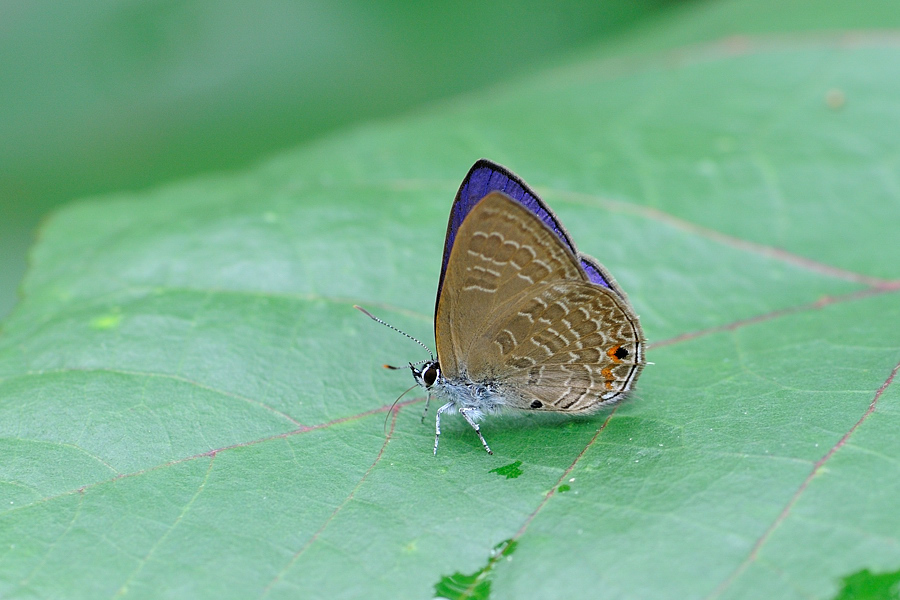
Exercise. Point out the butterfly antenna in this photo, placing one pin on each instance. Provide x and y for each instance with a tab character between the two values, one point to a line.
377	320
391	409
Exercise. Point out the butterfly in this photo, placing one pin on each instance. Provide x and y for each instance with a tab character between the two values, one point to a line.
522	319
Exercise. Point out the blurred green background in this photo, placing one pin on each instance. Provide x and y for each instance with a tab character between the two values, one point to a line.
124	94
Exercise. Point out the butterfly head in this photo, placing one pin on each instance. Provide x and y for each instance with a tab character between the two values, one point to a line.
428	374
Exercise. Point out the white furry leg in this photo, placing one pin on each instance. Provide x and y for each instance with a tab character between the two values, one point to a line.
437	424
465	413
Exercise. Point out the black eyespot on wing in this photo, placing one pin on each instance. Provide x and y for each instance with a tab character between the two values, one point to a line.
620	353
537	404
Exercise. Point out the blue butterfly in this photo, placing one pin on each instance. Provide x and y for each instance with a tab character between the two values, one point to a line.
522	319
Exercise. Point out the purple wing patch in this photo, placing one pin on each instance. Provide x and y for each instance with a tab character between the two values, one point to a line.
485	177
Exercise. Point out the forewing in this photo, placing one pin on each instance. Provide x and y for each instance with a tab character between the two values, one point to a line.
502	251
486	177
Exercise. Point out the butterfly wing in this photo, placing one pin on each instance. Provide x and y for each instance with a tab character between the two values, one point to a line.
501	251
486	177
535	324
567	346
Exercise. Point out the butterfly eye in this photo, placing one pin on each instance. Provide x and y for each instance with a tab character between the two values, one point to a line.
430	374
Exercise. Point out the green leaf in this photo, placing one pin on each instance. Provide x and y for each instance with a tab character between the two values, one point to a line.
870	586
191	408
100	95
476	586
510	471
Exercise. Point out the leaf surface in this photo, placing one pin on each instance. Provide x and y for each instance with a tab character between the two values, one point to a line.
190	407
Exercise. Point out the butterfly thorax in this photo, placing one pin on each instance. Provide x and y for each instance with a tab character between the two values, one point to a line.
479	396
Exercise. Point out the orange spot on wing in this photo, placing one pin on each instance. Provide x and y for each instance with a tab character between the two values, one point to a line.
607	373
612	353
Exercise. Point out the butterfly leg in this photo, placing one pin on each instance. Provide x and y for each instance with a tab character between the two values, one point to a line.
437	424
427	402
465	413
